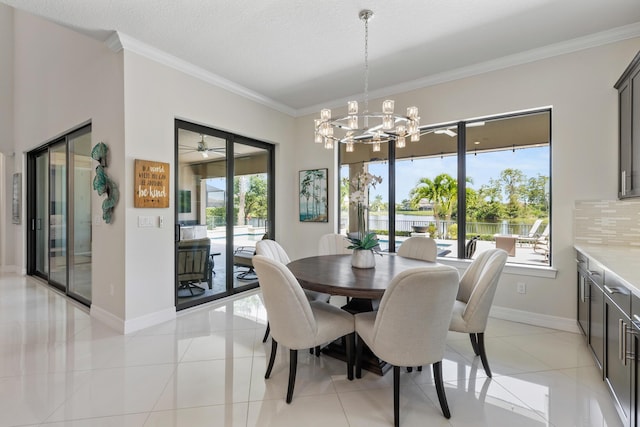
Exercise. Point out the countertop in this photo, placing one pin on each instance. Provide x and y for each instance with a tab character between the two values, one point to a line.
623	261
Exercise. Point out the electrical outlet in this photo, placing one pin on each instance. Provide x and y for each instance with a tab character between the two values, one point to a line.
522	288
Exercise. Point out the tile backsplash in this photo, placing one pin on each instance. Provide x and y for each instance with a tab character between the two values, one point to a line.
607	222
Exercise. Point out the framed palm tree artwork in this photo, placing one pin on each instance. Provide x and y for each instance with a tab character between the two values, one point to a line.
314	195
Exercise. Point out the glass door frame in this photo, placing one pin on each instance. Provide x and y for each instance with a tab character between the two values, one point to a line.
31	223
230	139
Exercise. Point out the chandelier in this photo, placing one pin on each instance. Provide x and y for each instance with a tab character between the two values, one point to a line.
367	127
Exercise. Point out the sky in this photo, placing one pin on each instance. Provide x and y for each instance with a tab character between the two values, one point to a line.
480	167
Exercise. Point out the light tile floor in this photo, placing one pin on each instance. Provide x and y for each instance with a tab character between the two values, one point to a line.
59	367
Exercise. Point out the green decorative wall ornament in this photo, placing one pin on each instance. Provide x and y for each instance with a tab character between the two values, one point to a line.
103	184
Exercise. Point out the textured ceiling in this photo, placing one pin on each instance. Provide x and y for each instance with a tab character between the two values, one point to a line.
301	54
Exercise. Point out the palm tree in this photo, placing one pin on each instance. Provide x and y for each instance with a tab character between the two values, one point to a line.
442	191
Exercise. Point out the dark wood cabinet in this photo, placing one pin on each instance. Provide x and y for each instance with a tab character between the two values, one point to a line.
628	86
609	316
591	306
617	371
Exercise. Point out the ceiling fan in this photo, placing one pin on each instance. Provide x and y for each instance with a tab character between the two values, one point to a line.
449	130
202	148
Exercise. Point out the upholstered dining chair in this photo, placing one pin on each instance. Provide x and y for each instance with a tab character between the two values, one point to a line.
419	247
333	244
272	249
410	327
477	288
297	323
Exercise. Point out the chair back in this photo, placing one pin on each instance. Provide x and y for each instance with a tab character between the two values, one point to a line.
534	228
290	316
418	247
333	244
486	282
545	232
273	250
193	259
470	247
414	315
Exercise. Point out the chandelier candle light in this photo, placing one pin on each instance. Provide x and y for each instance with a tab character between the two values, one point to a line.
367	127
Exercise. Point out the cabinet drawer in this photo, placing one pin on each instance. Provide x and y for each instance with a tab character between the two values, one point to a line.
616	289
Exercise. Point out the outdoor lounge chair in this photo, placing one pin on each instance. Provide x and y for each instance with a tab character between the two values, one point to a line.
541	244
531	237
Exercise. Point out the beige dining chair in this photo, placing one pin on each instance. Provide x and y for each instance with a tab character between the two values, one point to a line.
477	288
410	327
418	247
333	244
273	250
297	323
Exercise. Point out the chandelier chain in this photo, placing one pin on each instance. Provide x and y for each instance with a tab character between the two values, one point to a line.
366	64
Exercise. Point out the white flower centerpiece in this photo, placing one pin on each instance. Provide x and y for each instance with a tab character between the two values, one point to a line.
365	242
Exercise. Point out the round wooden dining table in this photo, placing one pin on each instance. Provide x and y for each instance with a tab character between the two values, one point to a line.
334	275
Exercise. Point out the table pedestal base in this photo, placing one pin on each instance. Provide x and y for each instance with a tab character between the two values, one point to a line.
337	349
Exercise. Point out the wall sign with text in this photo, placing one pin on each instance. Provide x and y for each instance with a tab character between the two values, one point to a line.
151	184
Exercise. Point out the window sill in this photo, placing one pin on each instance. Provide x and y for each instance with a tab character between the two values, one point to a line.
516	269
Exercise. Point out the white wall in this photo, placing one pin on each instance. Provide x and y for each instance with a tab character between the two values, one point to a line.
7	256
155	95
579	87
64	79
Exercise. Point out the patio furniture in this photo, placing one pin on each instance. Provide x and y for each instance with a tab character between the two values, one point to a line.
506	242
531	236
242	257
470	247
194	265
541	244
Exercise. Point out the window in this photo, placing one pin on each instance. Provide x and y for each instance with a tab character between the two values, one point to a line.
489	177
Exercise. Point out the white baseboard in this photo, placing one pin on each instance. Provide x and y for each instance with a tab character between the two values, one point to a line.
535	319
133	325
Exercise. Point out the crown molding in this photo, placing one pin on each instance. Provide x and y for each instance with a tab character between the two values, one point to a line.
119	41
569	46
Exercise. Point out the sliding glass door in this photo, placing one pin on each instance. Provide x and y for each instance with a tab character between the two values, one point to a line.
224	205
59	211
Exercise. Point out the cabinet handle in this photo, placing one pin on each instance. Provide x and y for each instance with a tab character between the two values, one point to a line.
613	290
623	180
594	273
622	350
